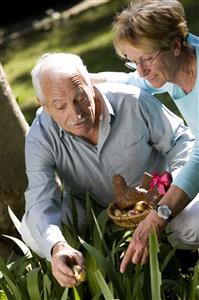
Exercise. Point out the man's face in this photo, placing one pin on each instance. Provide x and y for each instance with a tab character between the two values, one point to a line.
70	102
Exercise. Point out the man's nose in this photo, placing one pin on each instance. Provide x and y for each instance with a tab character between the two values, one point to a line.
76	111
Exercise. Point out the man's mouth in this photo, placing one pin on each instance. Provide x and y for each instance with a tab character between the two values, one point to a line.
77	123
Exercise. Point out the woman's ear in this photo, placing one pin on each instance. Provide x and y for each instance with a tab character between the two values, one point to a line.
92	91
177	47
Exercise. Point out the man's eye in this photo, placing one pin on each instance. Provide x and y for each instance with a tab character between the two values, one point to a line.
81	99
61	107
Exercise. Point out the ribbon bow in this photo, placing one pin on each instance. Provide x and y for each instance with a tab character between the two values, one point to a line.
162	182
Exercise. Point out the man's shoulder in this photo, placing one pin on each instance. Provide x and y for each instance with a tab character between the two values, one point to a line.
119	89
40	126
120	94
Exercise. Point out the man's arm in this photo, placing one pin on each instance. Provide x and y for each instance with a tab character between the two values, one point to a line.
44	214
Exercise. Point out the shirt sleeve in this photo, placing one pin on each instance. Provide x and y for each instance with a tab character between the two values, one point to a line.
187	179
43	198
133	78
168	134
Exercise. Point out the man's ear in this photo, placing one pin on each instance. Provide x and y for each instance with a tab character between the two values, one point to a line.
39	102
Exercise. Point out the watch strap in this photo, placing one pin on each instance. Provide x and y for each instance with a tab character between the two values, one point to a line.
157	209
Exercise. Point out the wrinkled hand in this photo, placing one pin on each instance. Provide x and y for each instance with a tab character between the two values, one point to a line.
137	251
63	258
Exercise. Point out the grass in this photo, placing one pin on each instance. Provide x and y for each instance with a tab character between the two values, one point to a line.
81	34
87	34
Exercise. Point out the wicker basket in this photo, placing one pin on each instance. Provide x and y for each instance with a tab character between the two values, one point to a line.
141	193
128	222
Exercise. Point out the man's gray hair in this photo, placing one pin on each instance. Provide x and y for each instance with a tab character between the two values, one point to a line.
56	63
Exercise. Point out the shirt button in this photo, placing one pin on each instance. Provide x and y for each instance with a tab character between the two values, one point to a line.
101	117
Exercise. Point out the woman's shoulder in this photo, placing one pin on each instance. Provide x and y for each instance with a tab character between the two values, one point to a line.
193	40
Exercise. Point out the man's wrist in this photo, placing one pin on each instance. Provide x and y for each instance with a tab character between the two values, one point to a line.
58	246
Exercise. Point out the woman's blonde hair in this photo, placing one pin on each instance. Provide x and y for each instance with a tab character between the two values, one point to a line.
149	24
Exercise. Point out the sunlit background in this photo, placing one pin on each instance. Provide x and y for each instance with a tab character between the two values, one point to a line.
81	27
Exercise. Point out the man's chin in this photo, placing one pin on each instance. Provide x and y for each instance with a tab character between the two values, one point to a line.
79	131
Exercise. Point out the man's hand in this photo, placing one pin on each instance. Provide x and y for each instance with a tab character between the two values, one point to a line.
63	258
138	251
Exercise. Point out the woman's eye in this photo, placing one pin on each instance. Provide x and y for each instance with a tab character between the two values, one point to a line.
147	59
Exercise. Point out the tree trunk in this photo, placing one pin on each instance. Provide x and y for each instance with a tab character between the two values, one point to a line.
13	181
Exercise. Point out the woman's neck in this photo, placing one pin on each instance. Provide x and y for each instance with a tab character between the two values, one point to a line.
187	73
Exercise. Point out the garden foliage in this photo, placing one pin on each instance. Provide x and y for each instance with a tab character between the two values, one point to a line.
103	245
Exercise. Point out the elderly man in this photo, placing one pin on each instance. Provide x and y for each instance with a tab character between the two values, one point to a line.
85	134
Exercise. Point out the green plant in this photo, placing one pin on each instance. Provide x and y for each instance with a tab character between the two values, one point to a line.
103	245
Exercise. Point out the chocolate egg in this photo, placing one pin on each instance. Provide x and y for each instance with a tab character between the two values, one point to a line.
141	206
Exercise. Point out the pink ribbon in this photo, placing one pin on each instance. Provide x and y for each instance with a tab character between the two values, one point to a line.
162	182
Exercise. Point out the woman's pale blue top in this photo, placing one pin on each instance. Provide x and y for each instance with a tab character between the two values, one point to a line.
188	105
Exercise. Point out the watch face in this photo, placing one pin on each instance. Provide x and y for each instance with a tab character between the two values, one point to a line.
164	212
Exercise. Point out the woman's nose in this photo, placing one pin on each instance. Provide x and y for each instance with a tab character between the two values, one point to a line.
142	71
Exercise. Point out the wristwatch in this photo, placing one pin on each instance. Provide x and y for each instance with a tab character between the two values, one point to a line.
164	212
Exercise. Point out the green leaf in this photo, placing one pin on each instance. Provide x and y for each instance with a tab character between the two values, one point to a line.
154	267
47	286
104	286
26	251
14	288
33	284
5	271
76	294
89	212
101	236
105	265
65	294
194	283
91	267
3	296
167	259
6	291
102	221
14	219
138	280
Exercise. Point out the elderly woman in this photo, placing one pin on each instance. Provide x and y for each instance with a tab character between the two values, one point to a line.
152	36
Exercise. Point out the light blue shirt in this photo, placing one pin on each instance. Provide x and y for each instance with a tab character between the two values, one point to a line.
136	134
188	105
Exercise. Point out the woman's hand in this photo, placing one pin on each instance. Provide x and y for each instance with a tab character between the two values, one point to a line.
137	251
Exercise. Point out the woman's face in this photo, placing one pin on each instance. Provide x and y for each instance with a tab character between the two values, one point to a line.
156	66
